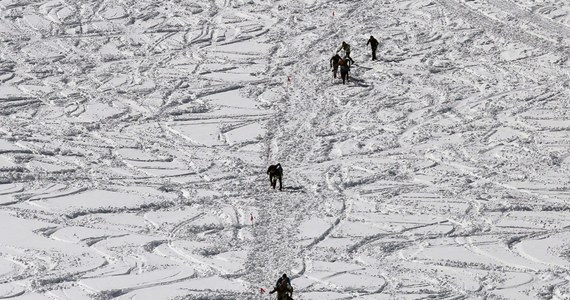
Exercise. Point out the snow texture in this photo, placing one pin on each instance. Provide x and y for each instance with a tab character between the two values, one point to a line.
135	138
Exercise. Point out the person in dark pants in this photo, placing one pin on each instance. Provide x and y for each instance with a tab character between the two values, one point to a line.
275	173
374	45
283	288
334	64
345	68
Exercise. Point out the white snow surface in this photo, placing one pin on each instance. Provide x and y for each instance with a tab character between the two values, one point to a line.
135	137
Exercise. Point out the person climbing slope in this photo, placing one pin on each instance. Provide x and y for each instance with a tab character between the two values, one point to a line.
346	47
275	173
374	45
283	288
345	64
334	64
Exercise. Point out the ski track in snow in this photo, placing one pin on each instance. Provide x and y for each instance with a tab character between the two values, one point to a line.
135	135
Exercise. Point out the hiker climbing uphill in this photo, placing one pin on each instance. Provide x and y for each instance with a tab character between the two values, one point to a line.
283	288
346	47
334	64
275	173
345	64
373	45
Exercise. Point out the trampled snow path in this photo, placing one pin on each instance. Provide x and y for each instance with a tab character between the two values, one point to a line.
135	135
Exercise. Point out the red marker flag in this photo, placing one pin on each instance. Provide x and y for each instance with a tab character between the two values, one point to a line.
251	217
261	290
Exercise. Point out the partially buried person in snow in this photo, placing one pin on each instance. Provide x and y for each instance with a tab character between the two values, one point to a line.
275	173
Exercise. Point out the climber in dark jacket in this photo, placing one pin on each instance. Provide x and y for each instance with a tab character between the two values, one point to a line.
275	173
374	45
334	64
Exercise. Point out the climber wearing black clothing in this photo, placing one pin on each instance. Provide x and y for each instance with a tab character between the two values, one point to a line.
283	288
374	45
334	64
275	173
345	68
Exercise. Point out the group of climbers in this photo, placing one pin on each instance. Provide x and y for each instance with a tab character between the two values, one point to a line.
283	286
344	63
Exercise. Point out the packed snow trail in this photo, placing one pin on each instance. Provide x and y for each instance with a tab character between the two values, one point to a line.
135	136
409	165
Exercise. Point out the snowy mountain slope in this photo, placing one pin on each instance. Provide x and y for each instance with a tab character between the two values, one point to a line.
135	136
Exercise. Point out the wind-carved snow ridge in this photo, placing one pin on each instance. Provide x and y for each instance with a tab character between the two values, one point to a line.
135	137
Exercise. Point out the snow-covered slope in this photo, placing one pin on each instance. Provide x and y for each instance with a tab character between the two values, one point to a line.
135	136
